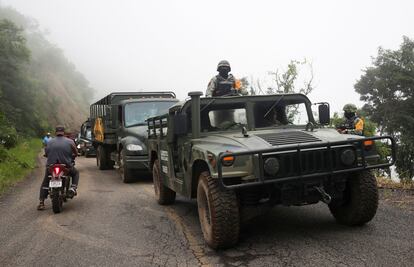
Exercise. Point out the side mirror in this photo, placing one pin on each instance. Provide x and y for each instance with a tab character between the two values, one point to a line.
180	124
324	116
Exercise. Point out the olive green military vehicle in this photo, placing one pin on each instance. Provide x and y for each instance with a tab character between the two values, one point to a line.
238	155
119	130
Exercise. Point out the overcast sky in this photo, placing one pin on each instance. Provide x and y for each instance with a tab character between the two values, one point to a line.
176	45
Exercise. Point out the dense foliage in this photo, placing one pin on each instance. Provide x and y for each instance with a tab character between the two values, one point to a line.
39	87
17	162
387	87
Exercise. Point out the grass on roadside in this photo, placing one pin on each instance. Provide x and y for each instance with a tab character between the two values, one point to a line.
17	162
384	182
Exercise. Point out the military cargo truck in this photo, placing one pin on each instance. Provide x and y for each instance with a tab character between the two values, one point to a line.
120	131
239	154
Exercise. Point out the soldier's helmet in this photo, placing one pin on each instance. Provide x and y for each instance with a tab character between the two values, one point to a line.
223	63
350	108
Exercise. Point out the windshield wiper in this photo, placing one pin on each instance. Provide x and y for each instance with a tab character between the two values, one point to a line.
273	106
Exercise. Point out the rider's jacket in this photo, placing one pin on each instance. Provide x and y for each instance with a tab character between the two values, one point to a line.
59	150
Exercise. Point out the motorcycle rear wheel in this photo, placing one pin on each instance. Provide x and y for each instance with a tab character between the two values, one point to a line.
57	202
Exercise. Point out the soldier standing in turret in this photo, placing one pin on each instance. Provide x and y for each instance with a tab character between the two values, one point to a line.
224	83
353	123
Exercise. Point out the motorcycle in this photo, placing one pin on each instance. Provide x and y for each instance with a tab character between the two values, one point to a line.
59	184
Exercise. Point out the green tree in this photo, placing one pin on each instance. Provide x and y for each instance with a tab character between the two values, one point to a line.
387	87
287	80
15	89
293	79
39	87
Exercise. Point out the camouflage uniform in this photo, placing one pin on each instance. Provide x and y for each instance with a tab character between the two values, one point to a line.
353	124
220	86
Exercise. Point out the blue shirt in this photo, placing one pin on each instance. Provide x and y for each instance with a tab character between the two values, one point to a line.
46	139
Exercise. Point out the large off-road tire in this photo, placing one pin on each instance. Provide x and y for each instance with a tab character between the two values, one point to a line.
103	160
57	202
218	212
163	194
127	175
360	201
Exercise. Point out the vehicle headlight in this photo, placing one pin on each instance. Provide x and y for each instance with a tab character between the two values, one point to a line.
132	147
348	157
78	146
271	166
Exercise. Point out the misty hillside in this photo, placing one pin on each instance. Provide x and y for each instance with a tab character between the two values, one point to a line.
39	87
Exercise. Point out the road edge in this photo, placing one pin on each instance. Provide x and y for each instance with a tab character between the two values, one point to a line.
15	186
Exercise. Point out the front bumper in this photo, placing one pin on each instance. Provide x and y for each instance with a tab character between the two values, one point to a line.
137	162
90	150
300	155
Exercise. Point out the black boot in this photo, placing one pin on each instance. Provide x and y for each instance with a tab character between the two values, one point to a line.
41	205
72	192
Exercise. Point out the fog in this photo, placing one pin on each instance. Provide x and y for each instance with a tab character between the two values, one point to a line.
176	45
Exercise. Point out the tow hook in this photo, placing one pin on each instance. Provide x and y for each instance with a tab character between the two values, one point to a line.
326	198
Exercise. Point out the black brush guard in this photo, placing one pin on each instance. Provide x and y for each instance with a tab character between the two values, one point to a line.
298	149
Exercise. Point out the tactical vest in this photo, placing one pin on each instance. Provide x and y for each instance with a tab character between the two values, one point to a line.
350	123
223	86
355	125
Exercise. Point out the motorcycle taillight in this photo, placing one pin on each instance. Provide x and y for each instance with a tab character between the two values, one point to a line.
56	170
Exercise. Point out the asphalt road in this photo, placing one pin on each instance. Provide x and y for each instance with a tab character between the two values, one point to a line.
116	224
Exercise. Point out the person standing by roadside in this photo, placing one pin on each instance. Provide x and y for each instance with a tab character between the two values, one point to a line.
46	139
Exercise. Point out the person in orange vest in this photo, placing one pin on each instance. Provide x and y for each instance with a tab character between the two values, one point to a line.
353	123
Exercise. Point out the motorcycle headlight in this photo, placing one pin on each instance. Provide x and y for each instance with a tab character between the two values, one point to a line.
78	146
132	147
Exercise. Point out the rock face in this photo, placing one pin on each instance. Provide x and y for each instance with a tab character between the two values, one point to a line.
65	103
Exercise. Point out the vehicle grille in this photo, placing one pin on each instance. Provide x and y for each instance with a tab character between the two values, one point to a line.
311	161
288	138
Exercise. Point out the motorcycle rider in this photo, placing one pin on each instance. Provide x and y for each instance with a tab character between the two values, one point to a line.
224	83
59	150
353	123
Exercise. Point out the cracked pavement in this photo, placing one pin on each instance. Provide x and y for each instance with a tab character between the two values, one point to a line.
114	224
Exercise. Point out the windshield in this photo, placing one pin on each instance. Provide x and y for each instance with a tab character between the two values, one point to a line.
228	119
88	134
137	113
284	113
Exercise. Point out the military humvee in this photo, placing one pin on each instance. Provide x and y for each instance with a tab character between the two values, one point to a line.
240	153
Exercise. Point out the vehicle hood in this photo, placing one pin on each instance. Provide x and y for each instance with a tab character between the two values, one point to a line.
267	139
137	131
